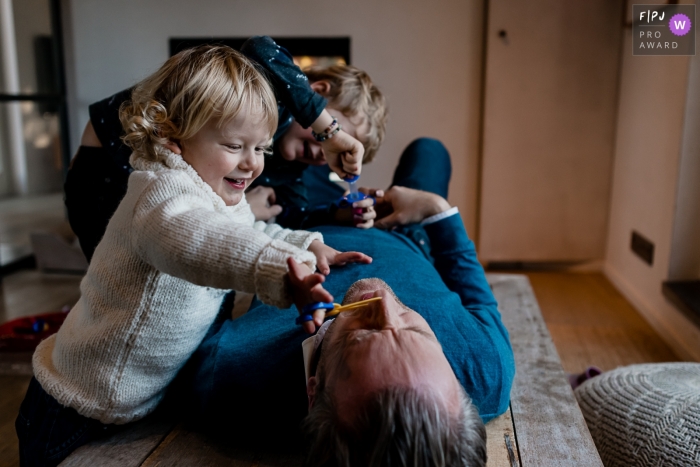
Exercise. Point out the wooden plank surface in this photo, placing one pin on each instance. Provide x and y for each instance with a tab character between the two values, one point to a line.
183	448
546	427
186	448
126	448
549	426
496	449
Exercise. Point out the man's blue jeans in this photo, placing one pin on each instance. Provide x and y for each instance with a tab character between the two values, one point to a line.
424	165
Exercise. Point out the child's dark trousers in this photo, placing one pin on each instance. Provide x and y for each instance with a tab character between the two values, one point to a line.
48	432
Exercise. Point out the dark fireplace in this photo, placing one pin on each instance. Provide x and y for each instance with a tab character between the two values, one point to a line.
307	51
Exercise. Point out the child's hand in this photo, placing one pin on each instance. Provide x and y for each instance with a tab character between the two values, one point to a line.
362	213
308	289
344	154
327	256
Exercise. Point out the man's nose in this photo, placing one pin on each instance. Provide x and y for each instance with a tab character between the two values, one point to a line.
382	314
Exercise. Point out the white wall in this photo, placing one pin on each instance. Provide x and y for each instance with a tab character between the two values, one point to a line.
425	56
685	246
649	133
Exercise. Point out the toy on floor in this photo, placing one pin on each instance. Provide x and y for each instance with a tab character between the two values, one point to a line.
24	334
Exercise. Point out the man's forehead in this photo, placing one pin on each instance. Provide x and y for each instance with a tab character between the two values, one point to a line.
429	373
407	344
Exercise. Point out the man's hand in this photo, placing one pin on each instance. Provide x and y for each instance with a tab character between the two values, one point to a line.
308	289
361	214
262	203
402	206
327	257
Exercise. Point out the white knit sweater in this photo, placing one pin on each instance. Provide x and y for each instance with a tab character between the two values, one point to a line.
171	251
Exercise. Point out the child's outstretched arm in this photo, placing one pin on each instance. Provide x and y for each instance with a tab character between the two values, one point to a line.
175	230
313	242
327	257
307	288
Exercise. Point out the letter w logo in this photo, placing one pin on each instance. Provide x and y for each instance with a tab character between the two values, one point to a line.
680	25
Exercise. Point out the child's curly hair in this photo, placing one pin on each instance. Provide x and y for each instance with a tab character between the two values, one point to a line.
192	87
353	93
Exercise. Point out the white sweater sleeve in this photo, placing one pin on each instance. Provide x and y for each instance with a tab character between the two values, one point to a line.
176	231
299	238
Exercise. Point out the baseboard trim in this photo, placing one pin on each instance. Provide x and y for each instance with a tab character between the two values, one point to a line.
665	330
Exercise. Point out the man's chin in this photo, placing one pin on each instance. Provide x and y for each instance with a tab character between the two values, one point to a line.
362	287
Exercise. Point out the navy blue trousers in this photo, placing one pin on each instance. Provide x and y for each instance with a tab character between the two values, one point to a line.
48	432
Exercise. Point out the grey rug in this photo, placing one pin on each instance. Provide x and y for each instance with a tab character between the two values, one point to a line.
645	415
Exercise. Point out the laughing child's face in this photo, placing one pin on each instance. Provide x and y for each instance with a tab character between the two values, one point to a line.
228	156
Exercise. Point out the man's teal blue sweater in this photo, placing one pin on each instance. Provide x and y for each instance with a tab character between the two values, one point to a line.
252	368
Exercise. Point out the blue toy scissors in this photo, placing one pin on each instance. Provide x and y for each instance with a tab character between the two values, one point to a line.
354	195
332	309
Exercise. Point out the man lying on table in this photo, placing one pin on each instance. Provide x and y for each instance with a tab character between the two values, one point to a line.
405	380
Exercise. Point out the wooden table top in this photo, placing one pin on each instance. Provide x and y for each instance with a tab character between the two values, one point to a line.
543	427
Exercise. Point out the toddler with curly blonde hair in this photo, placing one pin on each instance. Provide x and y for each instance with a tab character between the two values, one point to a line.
182	237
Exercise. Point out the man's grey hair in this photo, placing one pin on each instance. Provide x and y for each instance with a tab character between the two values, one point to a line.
398	426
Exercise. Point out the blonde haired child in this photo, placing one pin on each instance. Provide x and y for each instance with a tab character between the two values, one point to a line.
351	92
182	237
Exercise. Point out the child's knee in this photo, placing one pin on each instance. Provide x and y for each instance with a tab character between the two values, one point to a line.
429	150
428	146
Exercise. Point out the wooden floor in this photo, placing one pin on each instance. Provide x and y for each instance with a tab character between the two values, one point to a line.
590	324
30	292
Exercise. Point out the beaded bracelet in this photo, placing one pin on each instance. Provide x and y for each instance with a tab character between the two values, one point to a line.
329	128
323	137
329	132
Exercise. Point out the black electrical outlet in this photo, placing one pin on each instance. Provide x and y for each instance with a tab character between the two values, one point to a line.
643	248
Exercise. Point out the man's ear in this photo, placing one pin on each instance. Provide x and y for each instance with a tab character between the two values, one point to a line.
174	147
311	385
322	87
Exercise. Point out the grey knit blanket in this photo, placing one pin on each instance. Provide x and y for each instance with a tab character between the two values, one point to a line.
645	415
